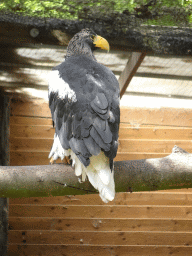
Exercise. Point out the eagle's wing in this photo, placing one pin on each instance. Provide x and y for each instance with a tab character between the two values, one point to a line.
84	102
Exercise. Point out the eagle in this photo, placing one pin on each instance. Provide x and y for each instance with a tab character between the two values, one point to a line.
84	102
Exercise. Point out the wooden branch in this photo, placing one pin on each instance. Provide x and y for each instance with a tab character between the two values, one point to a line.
130	69
173	171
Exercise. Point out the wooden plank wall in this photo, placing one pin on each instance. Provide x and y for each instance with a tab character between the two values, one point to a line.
144	133
136	224
147	223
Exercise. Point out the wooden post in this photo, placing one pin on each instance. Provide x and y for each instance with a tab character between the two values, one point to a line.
130	69
5	130
5	160
4	226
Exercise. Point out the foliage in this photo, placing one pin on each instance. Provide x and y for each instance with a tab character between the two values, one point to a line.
160	12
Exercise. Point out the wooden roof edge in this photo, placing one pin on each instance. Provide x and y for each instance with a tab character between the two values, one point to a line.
153	39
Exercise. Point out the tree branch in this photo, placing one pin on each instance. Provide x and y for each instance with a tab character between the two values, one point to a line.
170	172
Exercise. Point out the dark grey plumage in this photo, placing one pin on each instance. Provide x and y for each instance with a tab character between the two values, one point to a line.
86	115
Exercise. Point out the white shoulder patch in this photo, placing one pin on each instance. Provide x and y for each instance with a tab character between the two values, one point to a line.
58	85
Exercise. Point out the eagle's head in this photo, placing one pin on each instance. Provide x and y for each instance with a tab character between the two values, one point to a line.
85	42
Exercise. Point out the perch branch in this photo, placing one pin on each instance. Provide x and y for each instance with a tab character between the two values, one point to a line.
170	172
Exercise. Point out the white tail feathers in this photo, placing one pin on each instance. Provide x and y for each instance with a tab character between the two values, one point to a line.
98	172
101	176
104	175
106	191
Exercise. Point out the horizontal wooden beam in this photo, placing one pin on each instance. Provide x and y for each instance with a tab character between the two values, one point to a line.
125	145
37	157
164	76
111	224
135	116
102	238
108	250
157	95
175	197
127	131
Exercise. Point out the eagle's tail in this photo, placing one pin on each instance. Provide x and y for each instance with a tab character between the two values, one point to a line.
106	190
99	174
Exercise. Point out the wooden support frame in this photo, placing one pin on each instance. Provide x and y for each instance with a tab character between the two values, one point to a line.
5	130
130	69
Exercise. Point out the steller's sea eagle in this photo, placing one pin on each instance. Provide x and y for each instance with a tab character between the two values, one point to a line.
84	102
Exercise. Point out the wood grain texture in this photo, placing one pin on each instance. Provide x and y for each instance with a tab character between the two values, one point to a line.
32	131
37	157
37	108
162	116
177	197
154	132
18	158
101	211
141	224
100	224
44	144
135	116
21	120
102	237
125	132
152	146
91	250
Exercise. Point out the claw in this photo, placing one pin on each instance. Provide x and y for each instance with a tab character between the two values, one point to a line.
80	180
67	160
73	164
52	161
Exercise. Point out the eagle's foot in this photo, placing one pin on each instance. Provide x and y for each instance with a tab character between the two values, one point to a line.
52	161
80	180
67	160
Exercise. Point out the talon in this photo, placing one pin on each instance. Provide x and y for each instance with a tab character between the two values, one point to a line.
73	164
52	161
80	180
67	160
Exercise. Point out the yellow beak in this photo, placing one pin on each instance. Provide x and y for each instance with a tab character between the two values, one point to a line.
101	42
